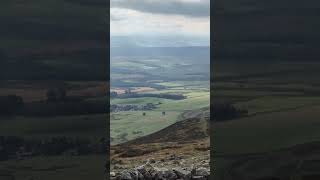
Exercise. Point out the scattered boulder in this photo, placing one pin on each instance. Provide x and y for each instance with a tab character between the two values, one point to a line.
164	173
112	174
202	172
125	175
148	172
171	175
182	174
198	178
145	171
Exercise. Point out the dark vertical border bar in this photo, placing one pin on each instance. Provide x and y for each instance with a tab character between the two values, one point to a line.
107	171
38	38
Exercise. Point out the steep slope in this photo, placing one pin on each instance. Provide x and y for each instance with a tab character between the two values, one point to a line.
188	130
183	144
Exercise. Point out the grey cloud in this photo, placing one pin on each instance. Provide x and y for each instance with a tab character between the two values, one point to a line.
114	17
178	7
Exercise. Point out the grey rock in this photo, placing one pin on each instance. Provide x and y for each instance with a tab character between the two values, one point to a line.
112	174
145	170
141	169
155	172
170	175
148	172
147	176
140	176
125	175
198	178
182	174
136	175
202	172
164	173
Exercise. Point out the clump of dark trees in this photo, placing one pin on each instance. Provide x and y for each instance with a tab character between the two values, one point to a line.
12	147
226	111
56	104
135	95
132	107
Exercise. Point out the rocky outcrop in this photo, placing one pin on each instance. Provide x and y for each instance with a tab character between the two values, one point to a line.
148	172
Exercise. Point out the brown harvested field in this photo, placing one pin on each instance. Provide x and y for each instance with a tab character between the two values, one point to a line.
143	89
118	90
134	89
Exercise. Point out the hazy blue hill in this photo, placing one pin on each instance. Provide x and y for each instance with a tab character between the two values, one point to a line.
193	52
159	41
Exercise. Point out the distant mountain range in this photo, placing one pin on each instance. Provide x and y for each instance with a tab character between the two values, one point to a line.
191	52
158	41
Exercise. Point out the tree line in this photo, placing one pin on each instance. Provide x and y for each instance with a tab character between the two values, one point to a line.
136	95
13	147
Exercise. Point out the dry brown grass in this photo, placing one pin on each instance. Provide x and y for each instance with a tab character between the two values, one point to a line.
143	89
135	155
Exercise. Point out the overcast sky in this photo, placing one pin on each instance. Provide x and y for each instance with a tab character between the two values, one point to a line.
152	18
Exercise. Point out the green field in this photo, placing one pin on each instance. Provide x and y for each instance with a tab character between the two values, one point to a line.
174	75
132	124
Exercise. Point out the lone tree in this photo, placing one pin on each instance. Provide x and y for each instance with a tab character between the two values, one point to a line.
144	114
163	113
